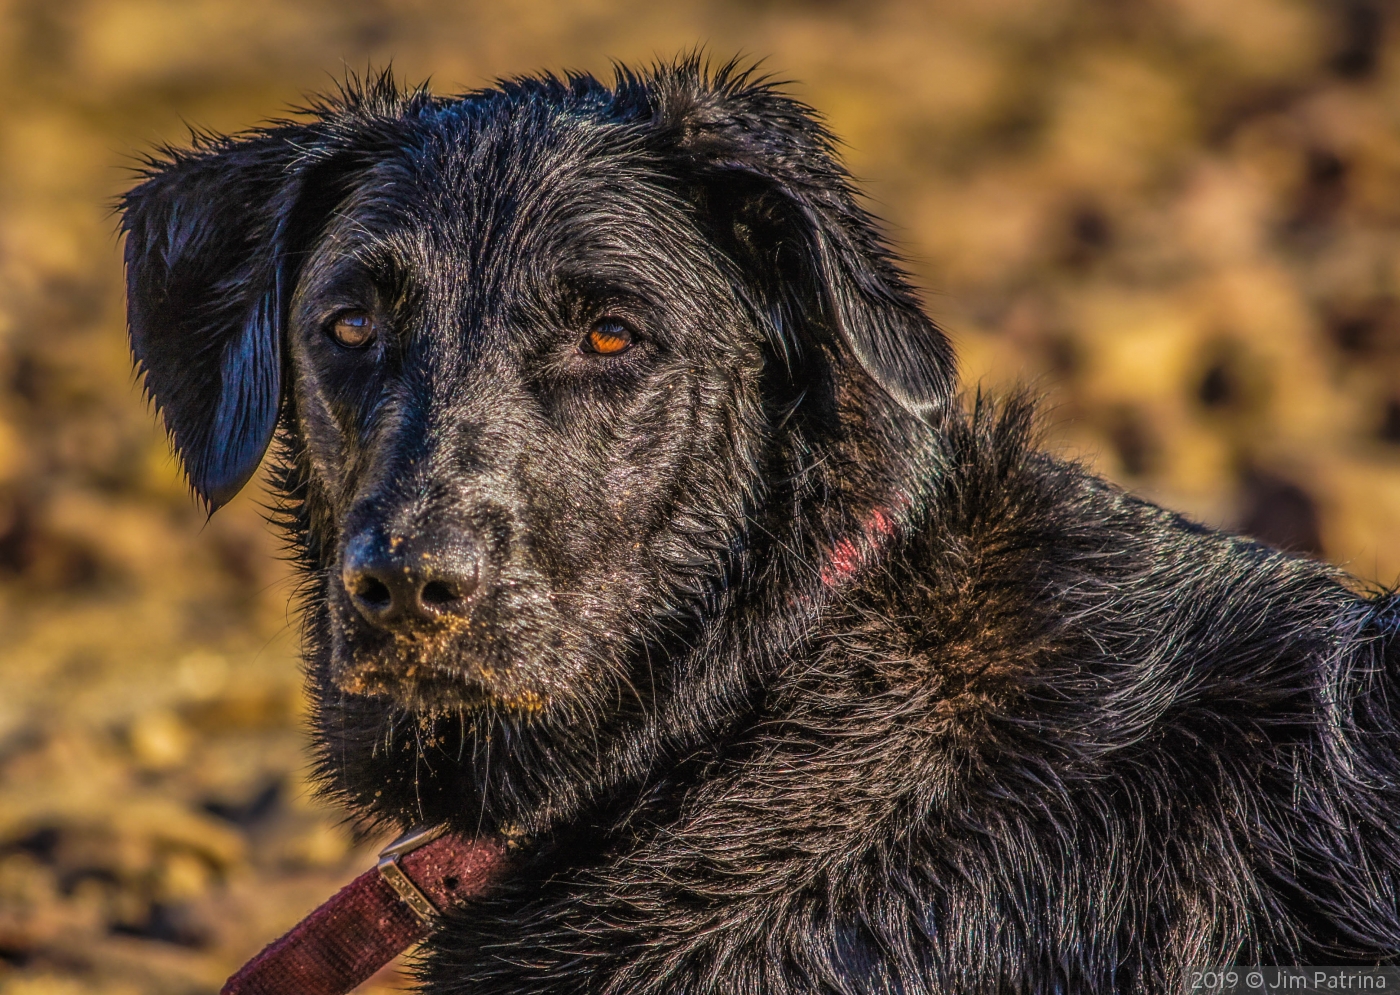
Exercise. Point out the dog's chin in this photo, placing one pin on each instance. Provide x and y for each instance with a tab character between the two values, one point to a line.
429	685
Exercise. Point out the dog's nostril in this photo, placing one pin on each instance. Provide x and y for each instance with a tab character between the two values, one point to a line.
396	585
373	592
438	594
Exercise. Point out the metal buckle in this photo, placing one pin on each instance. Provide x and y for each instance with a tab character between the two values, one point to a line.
390	871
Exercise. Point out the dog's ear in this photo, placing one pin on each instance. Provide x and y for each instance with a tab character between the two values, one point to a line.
208	271
770	182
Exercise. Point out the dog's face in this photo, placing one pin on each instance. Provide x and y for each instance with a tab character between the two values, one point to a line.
522	374
552	366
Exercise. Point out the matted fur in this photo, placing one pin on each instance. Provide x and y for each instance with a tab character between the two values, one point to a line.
785	671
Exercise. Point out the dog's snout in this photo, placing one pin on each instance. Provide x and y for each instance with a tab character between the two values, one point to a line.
399	583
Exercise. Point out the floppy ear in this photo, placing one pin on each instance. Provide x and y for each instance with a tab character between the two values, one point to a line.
771	182
208	273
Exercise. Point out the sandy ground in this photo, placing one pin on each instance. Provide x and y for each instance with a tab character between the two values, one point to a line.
1178	218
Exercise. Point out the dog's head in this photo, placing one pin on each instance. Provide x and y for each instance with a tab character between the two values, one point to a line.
539	355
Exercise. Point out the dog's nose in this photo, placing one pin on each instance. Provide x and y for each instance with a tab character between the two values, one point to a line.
398	583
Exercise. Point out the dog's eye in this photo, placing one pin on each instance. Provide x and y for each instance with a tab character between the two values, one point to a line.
353	329
607	337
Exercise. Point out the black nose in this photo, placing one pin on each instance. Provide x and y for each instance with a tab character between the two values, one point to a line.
399	583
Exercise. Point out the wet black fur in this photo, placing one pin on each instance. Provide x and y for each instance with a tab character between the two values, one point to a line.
1043	737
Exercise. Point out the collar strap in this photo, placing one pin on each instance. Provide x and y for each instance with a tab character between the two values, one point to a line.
376	917
851	554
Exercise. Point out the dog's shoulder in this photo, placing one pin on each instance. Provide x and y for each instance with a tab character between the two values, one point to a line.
1019	561
1033	615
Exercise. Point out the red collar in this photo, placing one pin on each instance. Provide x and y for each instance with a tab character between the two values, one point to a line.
852	553
375	917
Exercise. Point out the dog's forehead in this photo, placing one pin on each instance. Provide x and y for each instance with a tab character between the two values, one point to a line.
470	182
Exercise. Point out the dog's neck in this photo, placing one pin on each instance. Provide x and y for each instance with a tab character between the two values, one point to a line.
814	571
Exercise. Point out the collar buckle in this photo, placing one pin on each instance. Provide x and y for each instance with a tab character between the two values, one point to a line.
394	876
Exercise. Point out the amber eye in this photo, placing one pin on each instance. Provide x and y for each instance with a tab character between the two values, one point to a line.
607	337
354	329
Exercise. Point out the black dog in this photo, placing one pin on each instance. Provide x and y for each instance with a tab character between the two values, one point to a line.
640	523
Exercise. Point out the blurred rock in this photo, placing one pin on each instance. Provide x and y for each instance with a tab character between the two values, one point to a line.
202	675
1281	513
159	740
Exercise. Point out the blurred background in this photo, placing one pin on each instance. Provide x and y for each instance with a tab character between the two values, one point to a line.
1178	218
